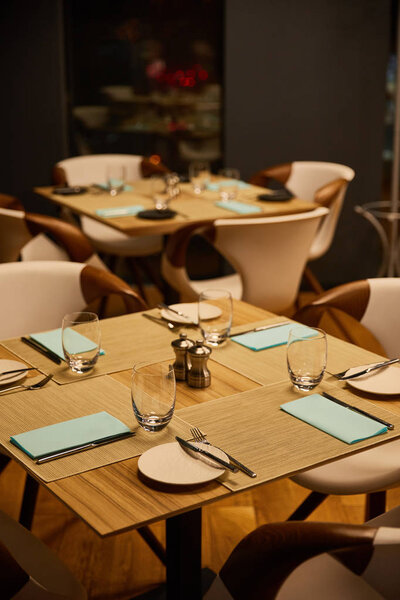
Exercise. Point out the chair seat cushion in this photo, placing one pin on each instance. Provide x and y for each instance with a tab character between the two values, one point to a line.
368	471
107	239
233	283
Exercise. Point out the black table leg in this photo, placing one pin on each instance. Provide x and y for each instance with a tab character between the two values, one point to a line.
184	556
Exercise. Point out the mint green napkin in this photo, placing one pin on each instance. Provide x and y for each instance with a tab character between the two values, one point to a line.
215	187
239	207
68	434
119	211
338	421
268	338
52	340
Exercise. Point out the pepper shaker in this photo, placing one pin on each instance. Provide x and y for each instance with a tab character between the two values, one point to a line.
199	375
181	364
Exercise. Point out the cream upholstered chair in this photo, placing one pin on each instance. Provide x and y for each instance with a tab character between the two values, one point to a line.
90	169
35	296
29	570
290	561
25	236
268	254
375	304
323	183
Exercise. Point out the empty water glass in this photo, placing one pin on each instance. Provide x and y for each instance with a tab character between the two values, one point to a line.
229	186
199	175
81	340
153	392
306	357
215	316
159	192
116	175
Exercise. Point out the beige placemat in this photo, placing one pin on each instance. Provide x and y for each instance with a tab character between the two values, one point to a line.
126	340
23	411
251	427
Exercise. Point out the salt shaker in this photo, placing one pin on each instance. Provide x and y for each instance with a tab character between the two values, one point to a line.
199	375
180	347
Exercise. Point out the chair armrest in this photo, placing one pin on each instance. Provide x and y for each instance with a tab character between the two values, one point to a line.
96	283
177	243
280	173
327	194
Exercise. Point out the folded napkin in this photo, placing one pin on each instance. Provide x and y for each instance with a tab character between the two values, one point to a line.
268	338
115	182
52	340
340	422
239	207
216	186
119	211
68	434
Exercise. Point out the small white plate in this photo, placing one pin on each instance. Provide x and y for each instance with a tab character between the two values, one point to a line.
190	309
384	381
10	365
169	463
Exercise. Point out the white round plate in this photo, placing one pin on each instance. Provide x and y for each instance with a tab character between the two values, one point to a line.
190	309
384	381
10	365
169	463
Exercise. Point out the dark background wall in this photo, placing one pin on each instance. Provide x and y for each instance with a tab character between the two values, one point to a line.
306	81
303	80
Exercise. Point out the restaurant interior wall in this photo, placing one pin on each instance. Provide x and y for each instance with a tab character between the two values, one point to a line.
302	81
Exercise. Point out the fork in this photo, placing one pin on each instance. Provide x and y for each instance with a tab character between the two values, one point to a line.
198	436
33	386
372	367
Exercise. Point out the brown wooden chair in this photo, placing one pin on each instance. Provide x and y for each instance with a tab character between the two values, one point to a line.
323	183
373	303
288	561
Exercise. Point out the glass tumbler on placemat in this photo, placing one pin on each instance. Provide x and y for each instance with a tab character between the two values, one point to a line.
153	392
215	316
199	175
81	340
306	357
116	175
229	187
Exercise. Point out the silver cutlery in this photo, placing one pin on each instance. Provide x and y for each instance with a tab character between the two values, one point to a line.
81	448
42	349
189	446
358	410
177	312
22	370
262	327
198	436
170	326
32	386
342	375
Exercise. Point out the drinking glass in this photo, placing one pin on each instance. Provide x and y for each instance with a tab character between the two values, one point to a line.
229	187
153	392
306	357
215	323
199	175
116	175
159	192
81	340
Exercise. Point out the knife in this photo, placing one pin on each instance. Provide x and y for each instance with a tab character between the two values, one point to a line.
262	328
190	446
177	312
40	348
22	370
82	447
358	410
369	369
159	321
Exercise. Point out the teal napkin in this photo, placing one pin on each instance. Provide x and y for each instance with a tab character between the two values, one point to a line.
52	340
268	338
239	207
69	434
338	421
119	211
215	187
116	182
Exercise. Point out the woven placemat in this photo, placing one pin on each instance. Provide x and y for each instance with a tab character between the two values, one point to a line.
24	411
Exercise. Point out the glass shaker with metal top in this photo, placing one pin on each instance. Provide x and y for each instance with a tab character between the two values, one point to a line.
199	375
181	364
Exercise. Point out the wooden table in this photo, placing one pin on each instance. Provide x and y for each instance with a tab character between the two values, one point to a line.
114	499
190	208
